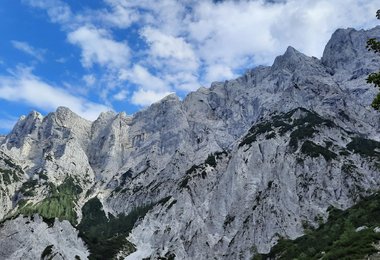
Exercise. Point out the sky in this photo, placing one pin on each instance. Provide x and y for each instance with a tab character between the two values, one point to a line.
123	55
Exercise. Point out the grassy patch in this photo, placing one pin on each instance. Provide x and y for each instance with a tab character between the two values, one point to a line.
337	238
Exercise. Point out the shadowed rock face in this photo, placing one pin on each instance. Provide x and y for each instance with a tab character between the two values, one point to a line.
240	164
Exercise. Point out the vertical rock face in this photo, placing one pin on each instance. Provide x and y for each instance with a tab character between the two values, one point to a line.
222	174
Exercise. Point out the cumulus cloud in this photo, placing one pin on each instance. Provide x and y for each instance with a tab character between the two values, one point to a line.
121	95
143	78
146	97
169	47
28	49
119	16
27	88
149	87
99	47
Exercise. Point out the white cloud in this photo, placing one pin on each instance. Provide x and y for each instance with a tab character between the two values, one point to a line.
98	47
121	95
146	97
167	46
28	49
27	88
218	72
143	78
89	79
121	16
58	11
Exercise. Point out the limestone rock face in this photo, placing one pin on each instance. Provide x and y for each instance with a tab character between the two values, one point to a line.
229	170
30	238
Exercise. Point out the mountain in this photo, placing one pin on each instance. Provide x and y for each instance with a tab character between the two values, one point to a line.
225	173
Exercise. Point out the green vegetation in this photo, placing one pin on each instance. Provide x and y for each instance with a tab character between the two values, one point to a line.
11	164
255	131
43	176
300	133
168	256
59	204
364	147
211	160
349	168
229	219
303	127
337	238
9	176
313	150
374	45
28	187
11	173
106	237
47	252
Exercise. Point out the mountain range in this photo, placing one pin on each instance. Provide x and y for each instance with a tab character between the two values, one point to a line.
226	173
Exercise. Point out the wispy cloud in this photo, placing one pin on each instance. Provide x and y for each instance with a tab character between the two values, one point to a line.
89	79
28	49
25	87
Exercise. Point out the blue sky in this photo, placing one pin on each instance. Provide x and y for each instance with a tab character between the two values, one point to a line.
123	55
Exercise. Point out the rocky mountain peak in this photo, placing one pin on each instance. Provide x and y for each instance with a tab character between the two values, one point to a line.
346	50
25	126
291	60
67	118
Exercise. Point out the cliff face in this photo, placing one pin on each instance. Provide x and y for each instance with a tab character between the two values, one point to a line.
222	174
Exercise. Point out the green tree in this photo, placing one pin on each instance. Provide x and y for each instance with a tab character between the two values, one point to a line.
374	45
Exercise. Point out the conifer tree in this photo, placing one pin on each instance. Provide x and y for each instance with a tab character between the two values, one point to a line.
374	45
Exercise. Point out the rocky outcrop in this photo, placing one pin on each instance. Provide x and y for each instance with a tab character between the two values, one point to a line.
32	238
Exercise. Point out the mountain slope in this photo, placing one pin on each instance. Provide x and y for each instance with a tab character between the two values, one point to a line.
223	174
